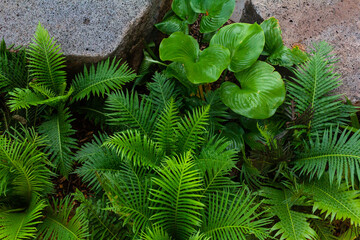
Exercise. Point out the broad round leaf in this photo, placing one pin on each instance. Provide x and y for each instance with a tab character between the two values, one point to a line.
272	31
200	66
216	13
262	92
245	42
183	9
172	24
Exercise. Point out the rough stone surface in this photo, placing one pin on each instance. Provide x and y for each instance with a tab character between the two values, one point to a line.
88	30
308	21
238	11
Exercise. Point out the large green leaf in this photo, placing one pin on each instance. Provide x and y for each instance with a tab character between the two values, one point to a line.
183	9
172	24
278	53
216	13
272	31
262	92
200	66
245	42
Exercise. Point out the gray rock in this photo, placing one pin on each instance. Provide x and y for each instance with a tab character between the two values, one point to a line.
88	30
308	21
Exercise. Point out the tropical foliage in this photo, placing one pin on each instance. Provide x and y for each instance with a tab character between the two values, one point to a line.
171	156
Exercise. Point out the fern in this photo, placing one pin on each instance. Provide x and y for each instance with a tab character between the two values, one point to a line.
214	162
155	234
57	130
339	156
126	110
323	229
46	62
162	89
58	225
338	202
191	128
107	76
102	223
177	209
165	128
19	224
229	216
23	167
13	69
313	85
292	225
96	161
136	148
129	192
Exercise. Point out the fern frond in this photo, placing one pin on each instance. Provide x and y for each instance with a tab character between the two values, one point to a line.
21	224
214	162
156	233
165	128
59	225
314	82
97	160
191	128
103	224
109	75
13	69
136	148
177	208
23	166
129	192
199	236
24	98
57	130
162	89
323	229
128	111
292	225
234	216
46	62
338	202
339	156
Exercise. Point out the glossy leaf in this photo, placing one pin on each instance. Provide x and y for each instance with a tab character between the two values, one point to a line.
216	13
200	66
287	57
245	42
262	92
172	24
272	31
183	9
278	53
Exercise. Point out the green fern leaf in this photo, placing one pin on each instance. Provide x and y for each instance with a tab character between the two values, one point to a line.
324	230
17	224
136	148
162	89
97	160
214	162
234	216
129	192
107	76
57	130
23	166
46	62
103	224
126	110
338	202
59	225
191	128
314	82
339	156
177	207
156	233
292	225
165	128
